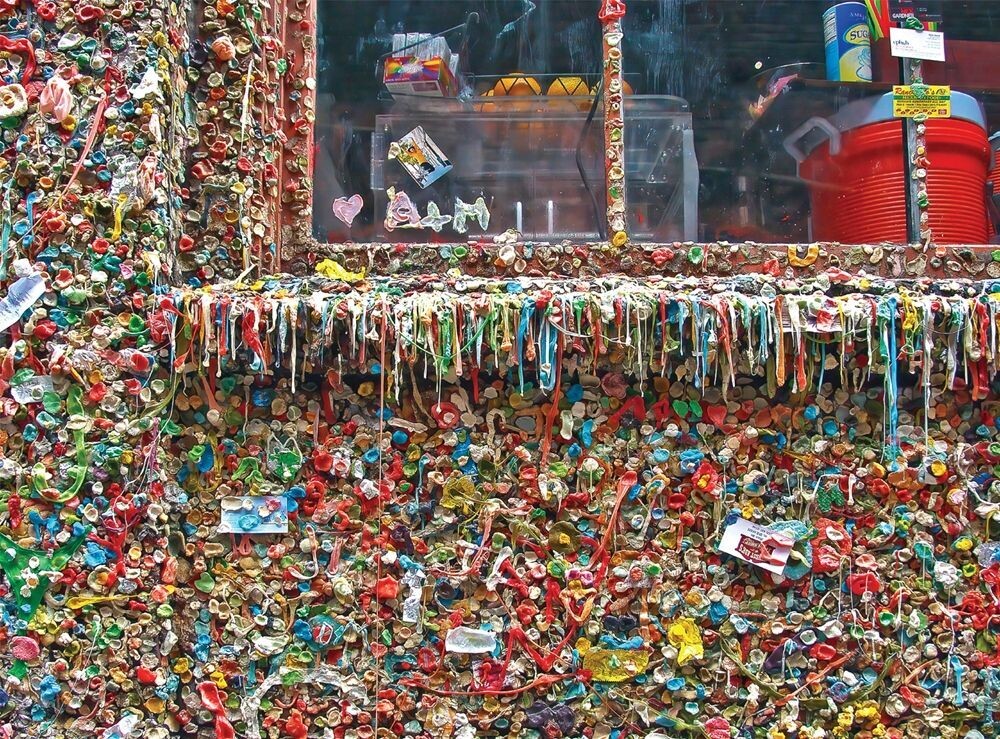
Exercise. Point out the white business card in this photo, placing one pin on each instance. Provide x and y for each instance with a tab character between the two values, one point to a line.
910	44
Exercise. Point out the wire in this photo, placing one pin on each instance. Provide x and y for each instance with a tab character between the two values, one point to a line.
598	219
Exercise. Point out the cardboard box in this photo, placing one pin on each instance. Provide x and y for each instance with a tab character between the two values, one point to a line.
410	75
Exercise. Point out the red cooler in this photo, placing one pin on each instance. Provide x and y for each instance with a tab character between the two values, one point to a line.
994	176
994	184
853	164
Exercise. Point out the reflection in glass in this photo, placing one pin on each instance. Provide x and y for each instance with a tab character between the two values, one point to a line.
736	130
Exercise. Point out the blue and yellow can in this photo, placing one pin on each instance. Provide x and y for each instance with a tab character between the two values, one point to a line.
848	43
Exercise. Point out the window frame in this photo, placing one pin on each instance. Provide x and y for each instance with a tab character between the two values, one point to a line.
297	251
296	23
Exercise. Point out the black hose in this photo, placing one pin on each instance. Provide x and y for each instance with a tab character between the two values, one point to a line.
598	218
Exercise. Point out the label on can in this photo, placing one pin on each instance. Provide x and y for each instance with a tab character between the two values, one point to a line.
848	43
858	35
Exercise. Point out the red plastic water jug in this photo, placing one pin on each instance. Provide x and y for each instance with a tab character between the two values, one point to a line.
853	163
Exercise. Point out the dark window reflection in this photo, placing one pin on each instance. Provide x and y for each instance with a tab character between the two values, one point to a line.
731	82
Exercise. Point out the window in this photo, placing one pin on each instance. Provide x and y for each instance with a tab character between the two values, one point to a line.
440	120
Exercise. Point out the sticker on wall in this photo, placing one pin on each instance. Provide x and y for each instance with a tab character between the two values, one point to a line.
422	159
757	545
930	101
253	514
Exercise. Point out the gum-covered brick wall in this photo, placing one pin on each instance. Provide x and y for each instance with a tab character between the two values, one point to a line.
720	507
92	123
496	491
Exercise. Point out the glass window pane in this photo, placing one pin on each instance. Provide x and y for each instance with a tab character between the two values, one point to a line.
437	112
508	117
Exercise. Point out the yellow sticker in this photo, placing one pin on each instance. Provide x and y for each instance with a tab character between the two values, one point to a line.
615	665
932	101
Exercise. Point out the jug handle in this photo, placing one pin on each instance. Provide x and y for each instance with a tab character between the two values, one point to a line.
791	143
994	147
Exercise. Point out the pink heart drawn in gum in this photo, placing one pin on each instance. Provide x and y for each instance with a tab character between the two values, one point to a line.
347	209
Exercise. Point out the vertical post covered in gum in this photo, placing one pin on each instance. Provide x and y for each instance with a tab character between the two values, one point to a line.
611	14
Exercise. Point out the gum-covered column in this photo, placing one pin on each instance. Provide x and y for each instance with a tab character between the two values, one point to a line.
611	14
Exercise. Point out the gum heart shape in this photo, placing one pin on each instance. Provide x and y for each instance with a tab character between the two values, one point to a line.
681	407
716	414
347	209
205	583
